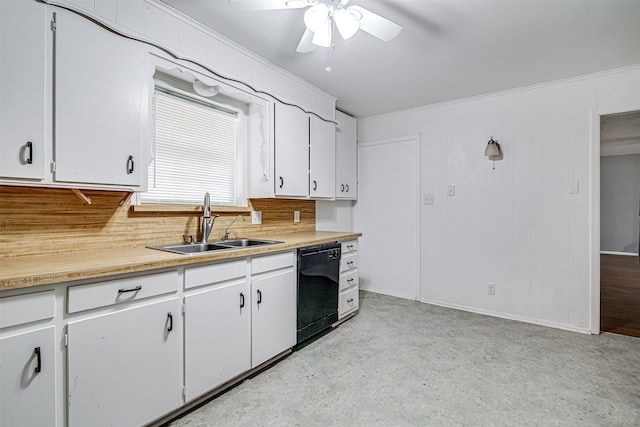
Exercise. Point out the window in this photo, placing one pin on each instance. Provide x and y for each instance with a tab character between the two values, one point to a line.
195	150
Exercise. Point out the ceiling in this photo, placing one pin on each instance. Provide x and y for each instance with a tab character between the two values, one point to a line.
448	49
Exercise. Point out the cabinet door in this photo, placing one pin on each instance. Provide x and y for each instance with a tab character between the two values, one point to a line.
346	157
124	367
291	151
23	34
322	155
27	396
100	104
217	337
273	321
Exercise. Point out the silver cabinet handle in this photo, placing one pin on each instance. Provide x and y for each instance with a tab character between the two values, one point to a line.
130	165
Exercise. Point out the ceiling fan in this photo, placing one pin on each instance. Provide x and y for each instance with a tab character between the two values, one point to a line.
321	17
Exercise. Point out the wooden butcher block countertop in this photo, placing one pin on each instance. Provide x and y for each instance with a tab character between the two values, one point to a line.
36	270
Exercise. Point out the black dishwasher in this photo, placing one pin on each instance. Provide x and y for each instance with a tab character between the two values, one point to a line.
318	282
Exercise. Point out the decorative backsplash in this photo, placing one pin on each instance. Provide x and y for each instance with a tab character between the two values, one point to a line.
44	220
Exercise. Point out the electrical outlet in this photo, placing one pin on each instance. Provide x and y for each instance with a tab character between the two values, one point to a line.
491	289
256	217
296	216
451	190
429	199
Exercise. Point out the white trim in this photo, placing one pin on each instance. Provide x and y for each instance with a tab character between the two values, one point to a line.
502	315
413	139
618	253
594	238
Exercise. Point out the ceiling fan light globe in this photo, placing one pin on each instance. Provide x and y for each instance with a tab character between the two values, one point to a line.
322	37
316	17
347	24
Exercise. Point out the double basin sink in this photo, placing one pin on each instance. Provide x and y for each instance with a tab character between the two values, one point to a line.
197	248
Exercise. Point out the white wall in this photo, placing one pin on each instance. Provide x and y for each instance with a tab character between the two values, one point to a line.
516	225
334	215
619	203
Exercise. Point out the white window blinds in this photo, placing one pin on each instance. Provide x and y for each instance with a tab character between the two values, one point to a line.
194	151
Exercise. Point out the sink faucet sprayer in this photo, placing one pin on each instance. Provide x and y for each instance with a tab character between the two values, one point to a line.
207	221
226	232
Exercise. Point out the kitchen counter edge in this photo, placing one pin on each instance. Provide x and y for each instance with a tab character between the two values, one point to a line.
38	270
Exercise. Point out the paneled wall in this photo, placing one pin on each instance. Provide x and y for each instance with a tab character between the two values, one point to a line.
523	225
40	221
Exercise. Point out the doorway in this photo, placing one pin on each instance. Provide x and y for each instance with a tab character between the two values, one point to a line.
387	215
620	223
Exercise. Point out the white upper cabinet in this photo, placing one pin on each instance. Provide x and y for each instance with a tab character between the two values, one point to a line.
101	93
23	36
346	157
291	151
322	158
304	158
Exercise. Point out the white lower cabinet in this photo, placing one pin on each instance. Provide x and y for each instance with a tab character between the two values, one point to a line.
348	301
217	337
27	379
124	366
273	322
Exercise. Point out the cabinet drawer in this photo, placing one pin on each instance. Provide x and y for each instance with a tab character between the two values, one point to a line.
214	273
271	262
21	309
348	302
349	246
348	280
348	262
101	294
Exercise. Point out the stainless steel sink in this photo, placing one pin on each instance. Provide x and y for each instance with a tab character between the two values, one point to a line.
190	248
197	248
244	243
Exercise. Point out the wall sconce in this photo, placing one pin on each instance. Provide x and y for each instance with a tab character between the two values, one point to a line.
493	151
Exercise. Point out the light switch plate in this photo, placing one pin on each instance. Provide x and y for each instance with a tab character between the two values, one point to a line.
429	199
256	217
451	190
296	216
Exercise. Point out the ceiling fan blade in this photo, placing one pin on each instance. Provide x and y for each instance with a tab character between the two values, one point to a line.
376	25
305	45
268	4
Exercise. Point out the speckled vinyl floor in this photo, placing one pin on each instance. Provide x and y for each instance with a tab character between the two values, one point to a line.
404	363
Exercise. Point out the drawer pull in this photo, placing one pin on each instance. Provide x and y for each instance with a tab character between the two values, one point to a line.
241	300
30	156
349	247
124	291
170	322
38	368
342	188
350	300
350	280
347	188
349	262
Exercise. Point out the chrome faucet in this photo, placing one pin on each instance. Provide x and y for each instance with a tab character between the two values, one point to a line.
226	232
207	221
